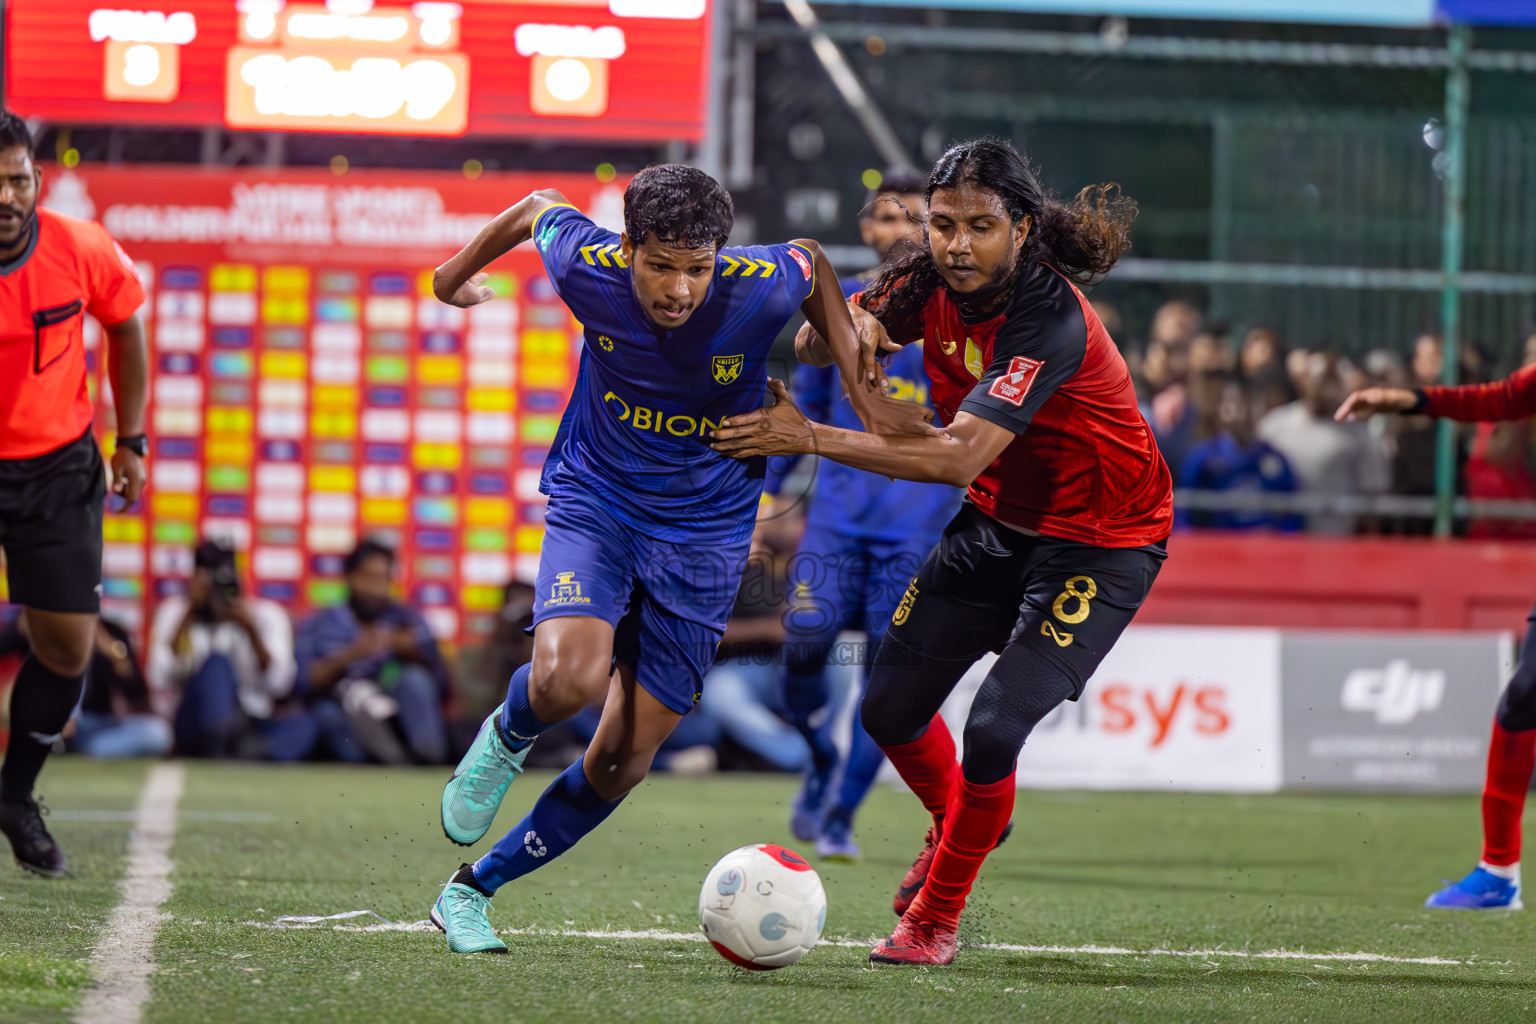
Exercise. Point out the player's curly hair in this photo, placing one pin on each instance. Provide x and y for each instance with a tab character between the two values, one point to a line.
680	205
1082	238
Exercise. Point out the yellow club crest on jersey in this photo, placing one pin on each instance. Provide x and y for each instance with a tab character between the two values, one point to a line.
727	368
973	361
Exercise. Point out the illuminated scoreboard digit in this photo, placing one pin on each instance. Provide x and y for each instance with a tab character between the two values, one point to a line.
381	69
617	69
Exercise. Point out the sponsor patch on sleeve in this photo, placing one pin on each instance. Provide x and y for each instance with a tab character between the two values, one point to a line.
802	259
1012	386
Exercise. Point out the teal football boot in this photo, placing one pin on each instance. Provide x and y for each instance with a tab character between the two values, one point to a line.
474	793
461	914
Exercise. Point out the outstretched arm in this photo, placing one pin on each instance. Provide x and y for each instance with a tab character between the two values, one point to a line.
955	455
459	281
1512	398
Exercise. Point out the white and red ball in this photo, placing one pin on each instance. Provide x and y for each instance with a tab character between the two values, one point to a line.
762	907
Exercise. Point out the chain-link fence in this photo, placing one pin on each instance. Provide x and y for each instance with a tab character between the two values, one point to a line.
1291	178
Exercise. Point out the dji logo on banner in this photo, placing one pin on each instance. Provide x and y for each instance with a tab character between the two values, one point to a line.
1396	694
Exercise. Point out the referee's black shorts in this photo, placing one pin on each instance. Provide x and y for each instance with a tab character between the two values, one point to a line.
986	586
50	527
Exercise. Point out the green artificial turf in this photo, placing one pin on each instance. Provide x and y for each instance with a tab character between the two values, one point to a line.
1141	872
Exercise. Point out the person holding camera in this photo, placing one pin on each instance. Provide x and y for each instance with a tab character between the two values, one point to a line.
230	656
371	670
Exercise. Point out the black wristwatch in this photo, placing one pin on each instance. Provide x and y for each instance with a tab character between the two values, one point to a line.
136	443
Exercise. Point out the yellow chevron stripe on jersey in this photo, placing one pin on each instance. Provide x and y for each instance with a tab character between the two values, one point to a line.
763	269
599	253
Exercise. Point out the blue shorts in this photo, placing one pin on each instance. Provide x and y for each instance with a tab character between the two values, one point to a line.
668	602
839	582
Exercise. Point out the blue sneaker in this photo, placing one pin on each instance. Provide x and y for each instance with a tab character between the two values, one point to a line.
461	914
474	793
805	813
1481	890
836	841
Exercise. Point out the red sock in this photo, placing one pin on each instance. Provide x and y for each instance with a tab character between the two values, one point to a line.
927	764
1511	756
977	816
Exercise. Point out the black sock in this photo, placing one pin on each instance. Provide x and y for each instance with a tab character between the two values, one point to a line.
466	876
41	703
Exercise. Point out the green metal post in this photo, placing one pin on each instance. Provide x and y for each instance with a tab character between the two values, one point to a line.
1453	229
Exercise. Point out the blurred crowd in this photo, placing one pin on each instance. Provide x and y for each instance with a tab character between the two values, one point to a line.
1248	413
226	674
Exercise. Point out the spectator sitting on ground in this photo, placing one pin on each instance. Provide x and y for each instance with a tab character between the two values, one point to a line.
371	670
1236	461
744	692
115	718
224	660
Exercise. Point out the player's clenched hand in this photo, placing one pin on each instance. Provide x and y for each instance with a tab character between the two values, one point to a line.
127	476
778	429
882	414
472	292
1373	400
874	345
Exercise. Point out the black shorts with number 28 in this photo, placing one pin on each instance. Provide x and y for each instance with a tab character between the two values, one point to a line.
986	586
50	527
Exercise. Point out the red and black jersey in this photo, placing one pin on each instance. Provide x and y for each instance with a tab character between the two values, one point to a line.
1085	467
1513	398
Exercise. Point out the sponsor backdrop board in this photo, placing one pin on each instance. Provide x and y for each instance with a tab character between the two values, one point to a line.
306	389
1408	711
1181	708
1257	710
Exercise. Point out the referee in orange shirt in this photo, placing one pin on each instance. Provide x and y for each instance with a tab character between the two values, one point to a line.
54	270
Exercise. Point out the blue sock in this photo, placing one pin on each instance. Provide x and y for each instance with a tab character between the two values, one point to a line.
805	694
864	761
568	810
519	725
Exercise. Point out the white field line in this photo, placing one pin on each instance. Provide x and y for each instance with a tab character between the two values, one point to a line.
221	817
123	960
660	935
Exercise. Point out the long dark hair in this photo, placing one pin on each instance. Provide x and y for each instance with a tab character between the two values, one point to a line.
1082	238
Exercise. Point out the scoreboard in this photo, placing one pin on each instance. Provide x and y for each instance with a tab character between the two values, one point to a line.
307	389
634	70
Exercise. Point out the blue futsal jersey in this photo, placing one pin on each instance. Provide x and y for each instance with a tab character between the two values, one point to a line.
636	430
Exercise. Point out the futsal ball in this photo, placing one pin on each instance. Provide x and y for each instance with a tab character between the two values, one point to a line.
762	907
